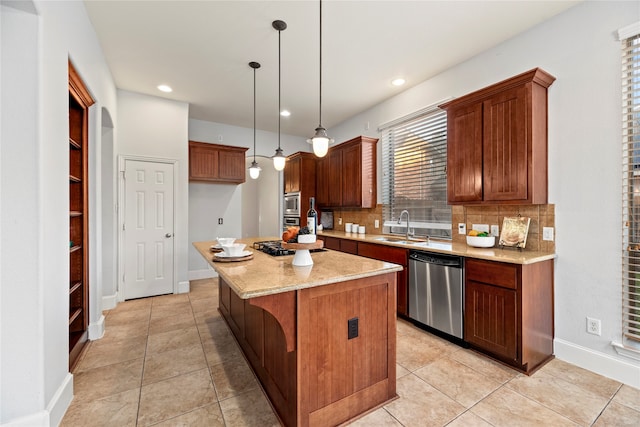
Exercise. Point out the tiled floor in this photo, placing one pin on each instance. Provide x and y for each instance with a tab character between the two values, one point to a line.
171	361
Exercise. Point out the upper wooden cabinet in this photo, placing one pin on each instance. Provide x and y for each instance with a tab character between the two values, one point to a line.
497	142
300	173
216	163
347	175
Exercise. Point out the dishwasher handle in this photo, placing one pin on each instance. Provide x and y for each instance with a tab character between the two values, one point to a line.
445	260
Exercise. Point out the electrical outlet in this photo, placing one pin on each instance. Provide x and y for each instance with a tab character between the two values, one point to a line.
547	233
495	230
220	221
462	228
594	326
376	223
220	138
339	221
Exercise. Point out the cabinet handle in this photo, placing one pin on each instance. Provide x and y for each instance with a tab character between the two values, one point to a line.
167	235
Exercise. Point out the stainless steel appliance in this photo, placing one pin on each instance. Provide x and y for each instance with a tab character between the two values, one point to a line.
290	221
291	204
436	297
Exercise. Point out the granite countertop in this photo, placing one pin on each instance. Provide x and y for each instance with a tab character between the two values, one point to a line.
511	256
266	275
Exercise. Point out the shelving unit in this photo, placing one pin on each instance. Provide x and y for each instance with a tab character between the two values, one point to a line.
79	103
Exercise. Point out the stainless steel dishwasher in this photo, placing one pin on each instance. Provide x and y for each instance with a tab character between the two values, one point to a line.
436	292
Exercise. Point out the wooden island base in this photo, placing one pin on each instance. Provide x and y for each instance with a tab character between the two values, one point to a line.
299	346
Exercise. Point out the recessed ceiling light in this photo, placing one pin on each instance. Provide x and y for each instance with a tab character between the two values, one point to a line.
165	88
398	82
285	113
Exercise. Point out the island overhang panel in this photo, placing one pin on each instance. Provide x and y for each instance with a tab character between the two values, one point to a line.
321	340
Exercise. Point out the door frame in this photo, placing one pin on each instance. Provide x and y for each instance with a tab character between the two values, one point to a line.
122	159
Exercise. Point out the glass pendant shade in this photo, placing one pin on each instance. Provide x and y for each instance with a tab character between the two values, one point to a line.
279	160
254	170
320	142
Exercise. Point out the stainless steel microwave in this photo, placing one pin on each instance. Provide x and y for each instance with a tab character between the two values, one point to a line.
292	204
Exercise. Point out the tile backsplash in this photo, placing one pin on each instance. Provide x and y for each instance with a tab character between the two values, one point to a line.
541	216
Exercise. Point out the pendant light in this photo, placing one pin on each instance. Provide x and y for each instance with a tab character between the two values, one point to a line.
320	140
278	158
254	170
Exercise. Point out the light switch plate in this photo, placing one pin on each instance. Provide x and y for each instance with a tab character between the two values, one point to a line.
339	221
547	233
376	223
462	228
495	230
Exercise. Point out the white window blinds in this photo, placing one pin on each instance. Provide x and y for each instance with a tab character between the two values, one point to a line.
631	187
414	162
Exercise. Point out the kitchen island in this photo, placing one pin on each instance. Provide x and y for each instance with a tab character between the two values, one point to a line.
321	339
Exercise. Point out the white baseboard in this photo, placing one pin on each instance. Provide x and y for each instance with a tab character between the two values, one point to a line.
183	287
96	330
600	363
202	274
53	414
110	302
60	402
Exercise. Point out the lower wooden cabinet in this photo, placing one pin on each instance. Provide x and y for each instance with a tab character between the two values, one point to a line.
509	311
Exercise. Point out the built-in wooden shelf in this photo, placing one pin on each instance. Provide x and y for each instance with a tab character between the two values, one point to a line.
75	144
74	287
73	314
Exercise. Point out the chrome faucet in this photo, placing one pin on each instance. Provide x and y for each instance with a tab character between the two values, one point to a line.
400	220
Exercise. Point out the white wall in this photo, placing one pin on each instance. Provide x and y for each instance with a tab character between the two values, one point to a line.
37	42
154	127
579	47
208	202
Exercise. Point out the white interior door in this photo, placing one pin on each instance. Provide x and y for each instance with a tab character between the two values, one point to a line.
148	229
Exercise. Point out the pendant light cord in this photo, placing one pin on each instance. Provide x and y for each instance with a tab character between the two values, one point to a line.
254	115
279	84
320	105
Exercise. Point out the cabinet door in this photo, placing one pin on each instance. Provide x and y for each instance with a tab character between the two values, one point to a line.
292	175
322	181
351	176
335	177
505	146
203	163
464	154
231	166
490	318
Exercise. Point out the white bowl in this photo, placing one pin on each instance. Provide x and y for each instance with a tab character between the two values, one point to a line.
226	240
306	238
481	242
234	249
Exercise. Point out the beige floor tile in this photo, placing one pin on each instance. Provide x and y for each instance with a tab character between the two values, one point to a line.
469	419
484	365
165	310
168	364
231	378
126	330
124	317
204	304
117	410
211	282
422	405
176	396
617	415
378	418
107	352
220	350
415	352
461	383
209	416
133	304
202	292
171	323
578	404
628	396
401	372
506	408
583	378
248	409
107	380
172	340
213	327
169	299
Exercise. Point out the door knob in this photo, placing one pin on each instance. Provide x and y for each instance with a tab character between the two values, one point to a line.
167	235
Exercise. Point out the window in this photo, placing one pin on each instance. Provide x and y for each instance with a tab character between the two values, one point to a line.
414	164
631	184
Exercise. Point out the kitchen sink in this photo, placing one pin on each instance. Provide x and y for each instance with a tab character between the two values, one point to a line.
391	240
433	245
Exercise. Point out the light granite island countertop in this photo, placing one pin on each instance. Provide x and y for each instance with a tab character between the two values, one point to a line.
321	339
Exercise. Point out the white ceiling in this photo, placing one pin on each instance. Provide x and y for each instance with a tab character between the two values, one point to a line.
202	50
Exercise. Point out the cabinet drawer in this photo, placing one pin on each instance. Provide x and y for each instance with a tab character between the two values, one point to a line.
494	273
383	253
349	246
